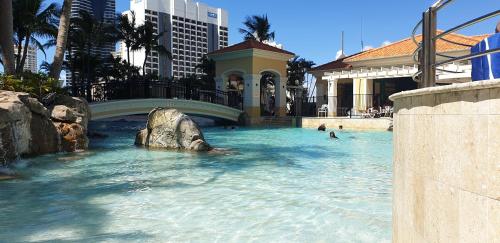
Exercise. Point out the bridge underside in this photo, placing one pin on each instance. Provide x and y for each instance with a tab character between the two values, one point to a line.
110	109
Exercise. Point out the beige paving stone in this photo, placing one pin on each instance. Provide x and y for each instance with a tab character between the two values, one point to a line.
493	220
448	103
475	102
473	217
441	212
473	148
494	101
493	157
447	163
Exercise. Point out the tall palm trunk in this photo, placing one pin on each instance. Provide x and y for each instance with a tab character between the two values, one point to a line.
128	54
20	39
26	46
144	64
6	36
62	38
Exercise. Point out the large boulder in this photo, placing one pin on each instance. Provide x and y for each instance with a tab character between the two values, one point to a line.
77	107
63	113
171	129
15	126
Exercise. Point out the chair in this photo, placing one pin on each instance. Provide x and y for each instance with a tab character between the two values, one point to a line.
372	113
323	110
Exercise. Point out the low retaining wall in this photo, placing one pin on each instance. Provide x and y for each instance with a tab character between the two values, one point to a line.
447	164
381	124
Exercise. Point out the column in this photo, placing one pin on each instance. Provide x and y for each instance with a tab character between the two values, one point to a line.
280	99
369	93
332	97
251	96
362	92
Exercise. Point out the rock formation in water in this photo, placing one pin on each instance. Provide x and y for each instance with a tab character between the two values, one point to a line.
171	129
28	128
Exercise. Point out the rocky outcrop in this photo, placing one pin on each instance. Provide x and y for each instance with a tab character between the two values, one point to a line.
28	128
171	129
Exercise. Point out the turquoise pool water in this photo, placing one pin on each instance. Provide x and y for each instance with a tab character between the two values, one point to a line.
274	185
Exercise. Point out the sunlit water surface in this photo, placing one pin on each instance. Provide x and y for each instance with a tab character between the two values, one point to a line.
274	185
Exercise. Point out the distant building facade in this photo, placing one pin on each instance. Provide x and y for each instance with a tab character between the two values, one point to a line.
102	10
191	30
31	63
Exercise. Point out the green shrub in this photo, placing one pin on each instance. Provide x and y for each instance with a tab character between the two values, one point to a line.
36	84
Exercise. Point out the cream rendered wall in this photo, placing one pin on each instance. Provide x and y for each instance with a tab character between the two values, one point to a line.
447	164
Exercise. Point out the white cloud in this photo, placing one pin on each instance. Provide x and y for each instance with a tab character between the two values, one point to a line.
386	43
368	47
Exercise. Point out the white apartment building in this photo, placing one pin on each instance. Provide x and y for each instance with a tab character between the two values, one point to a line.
31	63
191	30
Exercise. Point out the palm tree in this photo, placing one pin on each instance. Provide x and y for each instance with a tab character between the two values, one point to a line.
62	37
127	31
45	67
6	37
85	33
207	67
257	28
297	69
32	22
148	39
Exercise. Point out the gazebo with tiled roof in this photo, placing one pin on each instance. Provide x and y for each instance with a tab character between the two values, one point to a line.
240	68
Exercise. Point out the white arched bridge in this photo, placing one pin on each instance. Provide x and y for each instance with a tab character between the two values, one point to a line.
116	108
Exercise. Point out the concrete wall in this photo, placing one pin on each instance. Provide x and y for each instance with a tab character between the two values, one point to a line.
447	164
380	124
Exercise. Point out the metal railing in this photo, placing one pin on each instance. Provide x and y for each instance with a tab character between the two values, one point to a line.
344	104
425	54
121	90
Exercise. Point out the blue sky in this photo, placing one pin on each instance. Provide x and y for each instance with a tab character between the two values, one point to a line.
312	29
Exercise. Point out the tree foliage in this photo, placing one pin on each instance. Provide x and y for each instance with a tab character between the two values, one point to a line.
32	22
297	69
257	28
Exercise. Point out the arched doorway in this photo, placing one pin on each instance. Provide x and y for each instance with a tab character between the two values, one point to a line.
268	94
235	86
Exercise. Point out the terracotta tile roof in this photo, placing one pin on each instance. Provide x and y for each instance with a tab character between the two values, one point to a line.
337	64
250	44
406	47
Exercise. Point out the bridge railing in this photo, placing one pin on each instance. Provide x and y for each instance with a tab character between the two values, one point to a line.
123	90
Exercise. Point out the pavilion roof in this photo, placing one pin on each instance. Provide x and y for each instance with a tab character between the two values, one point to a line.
405	47
251	44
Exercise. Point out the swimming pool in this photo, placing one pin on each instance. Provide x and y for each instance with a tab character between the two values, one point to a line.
280	185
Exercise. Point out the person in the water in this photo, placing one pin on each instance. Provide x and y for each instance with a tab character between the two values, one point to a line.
332	135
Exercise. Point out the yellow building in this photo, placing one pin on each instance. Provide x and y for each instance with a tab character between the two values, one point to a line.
255	74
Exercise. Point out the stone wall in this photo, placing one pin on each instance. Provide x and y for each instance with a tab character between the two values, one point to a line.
447	164
378	124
